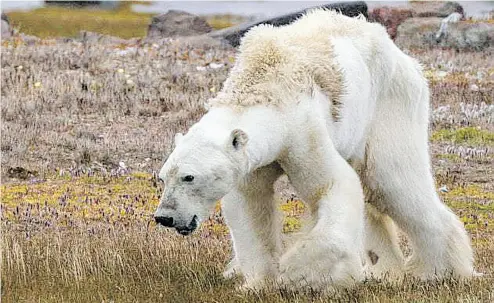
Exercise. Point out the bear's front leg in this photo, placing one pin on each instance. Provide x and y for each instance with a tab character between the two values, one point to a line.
232	269
331	253
250	213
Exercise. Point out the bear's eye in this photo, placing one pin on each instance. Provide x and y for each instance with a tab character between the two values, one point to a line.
188	178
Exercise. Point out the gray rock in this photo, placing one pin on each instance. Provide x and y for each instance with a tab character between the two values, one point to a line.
453	18
177	23
471	36
78	4
5	17
440	9
234	34
6	31
199	42
423	33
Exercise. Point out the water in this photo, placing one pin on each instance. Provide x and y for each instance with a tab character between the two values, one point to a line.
248	8
7	6
272	8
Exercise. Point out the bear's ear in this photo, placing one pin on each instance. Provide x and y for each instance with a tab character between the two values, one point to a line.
178	138
238	139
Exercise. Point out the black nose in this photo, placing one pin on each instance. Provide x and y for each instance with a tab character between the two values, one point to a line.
187	230
165	221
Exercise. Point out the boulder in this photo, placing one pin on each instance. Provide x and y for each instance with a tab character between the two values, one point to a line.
20	173
79	4
233	34
391	18
203	42
5	26
459	35
417	32
443	29
468	36
439	9
177	23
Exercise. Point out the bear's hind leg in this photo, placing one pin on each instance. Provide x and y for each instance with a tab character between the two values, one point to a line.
398	169
440	244
384	257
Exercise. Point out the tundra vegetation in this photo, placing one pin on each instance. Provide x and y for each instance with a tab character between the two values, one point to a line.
123	22
85	127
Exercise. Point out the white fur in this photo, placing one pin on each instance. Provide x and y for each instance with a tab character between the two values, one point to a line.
274	116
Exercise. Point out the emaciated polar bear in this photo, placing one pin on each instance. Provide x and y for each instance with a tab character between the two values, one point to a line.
331	102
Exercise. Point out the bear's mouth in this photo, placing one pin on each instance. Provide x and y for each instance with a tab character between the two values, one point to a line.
187	230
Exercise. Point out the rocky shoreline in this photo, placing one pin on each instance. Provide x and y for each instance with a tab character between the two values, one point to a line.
418	25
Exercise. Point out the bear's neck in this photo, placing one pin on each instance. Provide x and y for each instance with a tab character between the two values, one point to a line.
263	125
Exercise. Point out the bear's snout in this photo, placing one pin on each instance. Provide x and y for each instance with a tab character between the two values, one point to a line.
181	229
187	230
165	221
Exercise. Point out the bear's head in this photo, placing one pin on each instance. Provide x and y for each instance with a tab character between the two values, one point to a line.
202	169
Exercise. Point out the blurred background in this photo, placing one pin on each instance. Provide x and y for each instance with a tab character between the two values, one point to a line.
128	19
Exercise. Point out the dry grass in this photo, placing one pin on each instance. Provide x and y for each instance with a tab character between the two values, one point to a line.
79	103
77	226
141	264
116	264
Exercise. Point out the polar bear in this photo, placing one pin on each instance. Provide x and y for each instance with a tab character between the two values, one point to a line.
333	103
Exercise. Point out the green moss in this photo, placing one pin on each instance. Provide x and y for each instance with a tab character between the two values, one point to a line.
81	199
468	135
474	206
53	21
125	199
141	175
471	191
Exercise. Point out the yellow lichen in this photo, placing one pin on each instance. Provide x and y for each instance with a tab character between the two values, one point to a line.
471	191
468	135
